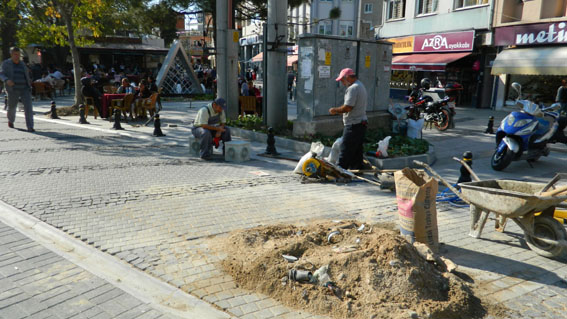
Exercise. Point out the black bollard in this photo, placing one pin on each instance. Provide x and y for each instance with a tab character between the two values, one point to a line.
53	114
465	174
271	148
82	119
157	126
490	126
117	125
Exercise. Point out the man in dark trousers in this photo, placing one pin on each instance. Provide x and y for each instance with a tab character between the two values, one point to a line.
210	126
16	77
354	120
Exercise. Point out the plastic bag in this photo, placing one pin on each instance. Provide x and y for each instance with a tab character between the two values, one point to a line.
415	127
382	150
317	148
335	151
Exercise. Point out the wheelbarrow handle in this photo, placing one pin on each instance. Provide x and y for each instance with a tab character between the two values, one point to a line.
434	173
468	168
554	192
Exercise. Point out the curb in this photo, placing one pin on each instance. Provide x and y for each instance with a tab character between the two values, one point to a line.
156	293
304	147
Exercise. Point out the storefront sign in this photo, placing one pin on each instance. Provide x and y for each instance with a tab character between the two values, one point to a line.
402	45
531	34
439	42
444	42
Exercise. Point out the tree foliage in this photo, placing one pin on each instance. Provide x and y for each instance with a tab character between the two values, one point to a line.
9	17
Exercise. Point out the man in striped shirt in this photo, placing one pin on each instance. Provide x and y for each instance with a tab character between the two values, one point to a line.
16	77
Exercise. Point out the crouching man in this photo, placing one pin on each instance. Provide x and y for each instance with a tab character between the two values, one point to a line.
210	127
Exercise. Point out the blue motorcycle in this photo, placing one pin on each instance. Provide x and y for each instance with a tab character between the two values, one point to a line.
524	135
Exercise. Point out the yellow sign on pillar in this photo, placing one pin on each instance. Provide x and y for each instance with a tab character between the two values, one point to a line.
235	36
327	58
367	61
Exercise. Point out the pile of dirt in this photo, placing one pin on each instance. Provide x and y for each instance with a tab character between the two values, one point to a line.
372	272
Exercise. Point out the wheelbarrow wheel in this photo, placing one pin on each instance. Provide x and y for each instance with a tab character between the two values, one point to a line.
549	228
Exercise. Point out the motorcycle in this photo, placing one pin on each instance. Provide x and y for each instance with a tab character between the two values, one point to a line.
524	135
438	113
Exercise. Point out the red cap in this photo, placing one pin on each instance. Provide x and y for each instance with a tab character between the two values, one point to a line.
344	72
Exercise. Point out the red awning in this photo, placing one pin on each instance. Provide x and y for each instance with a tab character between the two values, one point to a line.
426	61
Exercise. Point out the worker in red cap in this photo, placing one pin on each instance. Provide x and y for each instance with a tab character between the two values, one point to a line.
354	120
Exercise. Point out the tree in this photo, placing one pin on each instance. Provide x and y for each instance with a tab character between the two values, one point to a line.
64	22
9	17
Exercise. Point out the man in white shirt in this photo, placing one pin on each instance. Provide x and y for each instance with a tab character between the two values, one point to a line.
210	127
354	120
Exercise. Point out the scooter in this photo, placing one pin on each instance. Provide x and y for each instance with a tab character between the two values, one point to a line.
524	135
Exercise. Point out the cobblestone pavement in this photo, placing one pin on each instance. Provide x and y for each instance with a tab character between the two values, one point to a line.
37	283
152	205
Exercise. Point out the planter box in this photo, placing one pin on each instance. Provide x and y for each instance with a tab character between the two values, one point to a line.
304	147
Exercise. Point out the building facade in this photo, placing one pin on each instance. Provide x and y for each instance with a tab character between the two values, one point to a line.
530	37
447	41
358	19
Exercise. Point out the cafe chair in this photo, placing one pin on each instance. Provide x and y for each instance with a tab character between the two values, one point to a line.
60	85
40	89
89	103
147	104
247	104
122	104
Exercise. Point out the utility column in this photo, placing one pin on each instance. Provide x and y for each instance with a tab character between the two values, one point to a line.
227	57
277	62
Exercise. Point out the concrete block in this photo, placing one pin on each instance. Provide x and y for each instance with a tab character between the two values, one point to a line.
194	145
237	151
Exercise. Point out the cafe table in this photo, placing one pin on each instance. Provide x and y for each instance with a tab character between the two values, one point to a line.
107	99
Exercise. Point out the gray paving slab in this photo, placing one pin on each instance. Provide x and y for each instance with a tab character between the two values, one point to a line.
146	202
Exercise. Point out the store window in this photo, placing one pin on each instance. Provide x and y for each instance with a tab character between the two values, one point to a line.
396	9
346	29
469	3
368	8
325	28
426	6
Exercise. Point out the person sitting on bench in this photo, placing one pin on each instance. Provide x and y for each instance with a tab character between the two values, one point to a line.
210	127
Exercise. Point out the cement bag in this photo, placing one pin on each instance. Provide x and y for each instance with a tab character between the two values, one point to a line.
415	127
335	151
317	148
417	210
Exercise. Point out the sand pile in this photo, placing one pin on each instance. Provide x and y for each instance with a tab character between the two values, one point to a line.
371	272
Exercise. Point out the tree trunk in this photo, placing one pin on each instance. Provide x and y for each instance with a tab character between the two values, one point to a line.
67	17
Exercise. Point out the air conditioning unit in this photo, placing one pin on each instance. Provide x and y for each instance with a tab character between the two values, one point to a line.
237	151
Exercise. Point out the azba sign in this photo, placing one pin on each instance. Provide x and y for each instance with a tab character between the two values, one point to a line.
531	34
439	42
444	42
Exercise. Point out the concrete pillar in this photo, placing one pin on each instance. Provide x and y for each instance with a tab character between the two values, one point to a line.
277	61
227	57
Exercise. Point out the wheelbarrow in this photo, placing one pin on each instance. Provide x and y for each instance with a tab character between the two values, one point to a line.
530	205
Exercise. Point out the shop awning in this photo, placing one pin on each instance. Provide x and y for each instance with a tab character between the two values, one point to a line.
291	59
426	62
532	61
258	57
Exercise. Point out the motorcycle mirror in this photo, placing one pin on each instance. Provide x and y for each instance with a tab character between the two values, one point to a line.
518	87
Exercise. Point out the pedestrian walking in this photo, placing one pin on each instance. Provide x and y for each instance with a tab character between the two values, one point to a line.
562	96
354	120
17	80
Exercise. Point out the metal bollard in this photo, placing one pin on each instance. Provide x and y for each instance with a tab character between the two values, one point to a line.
117	125
82	119
157	126
271	148
490	126
53	114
